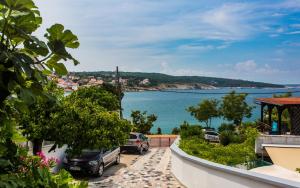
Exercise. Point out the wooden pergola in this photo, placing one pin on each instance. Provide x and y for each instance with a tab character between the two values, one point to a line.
293	106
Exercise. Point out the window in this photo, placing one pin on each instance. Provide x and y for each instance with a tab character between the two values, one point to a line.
132	136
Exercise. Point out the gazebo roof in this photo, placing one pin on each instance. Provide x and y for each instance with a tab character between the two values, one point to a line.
279	101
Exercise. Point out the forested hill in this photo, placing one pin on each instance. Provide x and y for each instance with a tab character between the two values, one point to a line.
158	78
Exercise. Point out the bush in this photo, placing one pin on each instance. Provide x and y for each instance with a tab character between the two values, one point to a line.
34	171
226	127
158	130
192	131
176	130
232	154
228	137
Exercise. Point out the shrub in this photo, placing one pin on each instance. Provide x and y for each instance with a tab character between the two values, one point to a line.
34	171
226	127
228	137
158	130
175	130
192	131
232	154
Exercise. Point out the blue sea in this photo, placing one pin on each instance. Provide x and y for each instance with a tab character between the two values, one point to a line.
170	107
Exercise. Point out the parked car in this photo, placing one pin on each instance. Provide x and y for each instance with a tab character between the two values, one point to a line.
211	136
136	142
92	161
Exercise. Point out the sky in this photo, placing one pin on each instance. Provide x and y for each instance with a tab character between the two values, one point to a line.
250	40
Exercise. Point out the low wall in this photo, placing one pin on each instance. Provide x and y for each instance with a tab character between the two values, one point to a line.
194	172
274	139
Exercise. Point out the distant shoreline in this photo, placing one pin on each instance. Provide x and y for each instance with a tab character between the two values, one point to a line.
140	89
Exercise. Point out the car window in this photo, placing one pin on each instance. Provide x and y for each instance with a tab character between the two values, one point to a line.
212	133
132	136
105	150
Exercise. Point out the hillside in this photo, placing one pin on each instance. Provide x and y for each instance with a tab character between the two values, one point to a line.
157	79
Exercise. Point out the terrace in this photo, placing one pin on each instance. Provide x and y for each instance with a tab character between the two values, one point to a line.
278	140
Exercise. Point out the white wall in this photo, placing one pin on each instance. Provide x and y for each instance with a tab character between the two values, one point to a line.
194	172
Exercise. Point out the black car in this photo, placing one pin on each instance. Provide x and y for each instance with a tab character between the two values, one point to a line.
92	161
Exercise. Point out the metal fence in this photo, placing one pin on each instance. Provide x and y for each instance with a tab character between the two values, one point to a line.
161	140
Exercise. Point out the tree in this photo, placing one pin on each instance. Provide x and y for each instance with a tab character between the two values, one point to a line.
36	122
205	111
103	96
188	131
142	122
234	107
83	123
25	61
158	130
175	130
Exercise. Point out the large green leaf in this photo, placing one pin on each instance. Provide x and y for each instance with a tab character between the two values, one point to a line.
28	22
53	64
60	39
36	47
19	5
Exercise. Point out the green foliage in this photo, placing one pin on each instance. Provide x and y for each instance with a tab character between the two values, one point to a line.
25	61
34	171
82	123
288	94
205	111
158	130
175	130
102	96
228	137
234	107
232	154
191	131
142	122
226	127
36	122
158	78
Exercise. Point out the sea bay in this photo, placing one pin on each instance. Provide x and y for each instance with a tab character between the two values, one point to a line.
170	107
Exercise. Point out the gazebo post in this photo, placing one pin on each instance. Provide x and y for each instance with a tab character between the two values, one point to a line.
262	112
280	110
270	108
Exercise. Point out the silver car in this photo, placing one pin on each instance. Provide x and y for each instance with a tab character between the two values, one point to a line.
211	136
136	142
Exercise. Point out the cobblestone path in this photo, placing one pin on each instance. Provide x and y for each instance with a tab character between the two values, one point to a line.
149	170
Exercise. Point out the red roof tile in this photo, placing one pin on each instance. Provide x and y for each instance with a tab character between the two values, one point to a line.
280	101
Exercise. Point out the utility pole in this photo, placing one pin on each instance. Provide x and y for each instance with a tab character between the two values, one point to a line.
119	89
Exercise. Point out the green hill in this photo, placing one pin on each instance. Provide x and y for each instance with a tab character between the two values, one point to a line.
158	78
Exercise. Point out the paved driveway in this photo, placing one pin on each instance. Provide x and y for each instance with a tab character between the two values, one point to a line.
149	170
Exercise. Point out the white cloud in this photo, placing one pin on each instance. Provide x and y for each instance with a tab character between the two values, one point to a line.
246	66
167	69
295	25
293	33
137	34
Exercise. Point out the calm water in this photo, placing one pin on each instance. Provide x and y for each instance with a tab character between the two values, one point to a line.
170	106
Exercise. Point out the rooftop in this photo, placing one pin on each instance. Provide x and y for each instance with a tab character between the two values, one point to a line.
280	101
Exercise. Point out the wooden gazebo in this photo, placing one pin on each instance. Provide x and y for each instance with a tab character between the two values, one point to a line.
293	106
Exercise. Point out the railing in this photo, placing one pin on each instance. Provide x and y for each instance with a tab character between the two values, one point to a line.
263	127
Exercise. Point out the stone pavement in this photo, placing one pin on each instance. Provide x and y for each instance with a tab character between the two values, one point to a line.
149	170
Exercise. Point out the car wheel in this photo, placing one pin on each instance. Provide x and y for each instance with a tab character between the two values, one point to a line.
100	170
118	159
147	147
141	150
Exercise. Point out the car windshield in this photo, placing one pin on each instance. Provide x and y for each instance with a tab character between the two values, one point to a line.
212	133
132	136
